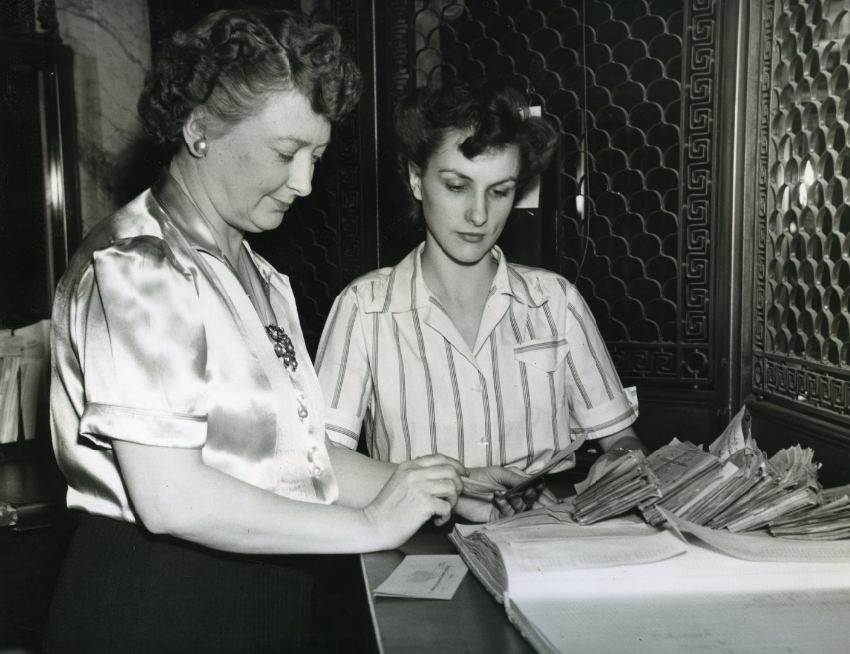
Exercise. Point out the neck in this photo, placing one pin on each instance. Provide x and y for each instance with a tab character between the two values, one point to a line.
453	281
186	172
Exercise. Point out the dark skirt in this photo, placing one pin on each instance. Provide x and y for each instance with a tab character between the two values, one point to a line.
125	590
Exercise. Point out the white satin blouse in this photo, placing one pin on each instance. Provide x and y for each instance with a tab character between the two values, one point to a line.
155	342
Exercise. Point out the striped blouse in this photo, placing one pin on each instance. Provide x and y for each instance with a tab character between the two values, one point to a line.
392	364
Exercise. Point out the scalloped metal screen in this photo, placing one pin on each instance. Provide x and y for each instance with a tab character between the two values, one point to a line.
626	214
802	331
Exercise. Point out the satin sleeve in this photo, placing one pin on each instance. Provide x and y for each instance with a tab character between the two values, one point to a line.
143	348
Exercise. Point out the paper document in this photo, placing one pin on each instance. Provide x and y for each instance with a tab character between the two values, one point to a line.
764	547
544	556
791	623
426	576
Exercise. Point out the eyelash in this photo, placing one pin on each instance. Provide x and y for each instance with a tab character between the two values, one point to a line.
459	188
288	158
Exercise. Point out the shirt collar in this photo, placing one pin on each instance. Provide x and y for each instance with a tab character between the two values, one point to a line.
184	214
509	281
407	288
187	218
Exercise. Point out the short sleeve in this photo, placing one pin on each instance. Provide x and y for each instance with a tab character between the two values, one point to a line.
342	365
599	404
142	345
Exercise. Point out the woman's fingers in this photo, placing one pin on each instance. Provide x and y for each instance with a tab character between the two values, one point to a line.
442	512
445	489
476	510
547	497
437	481
439	460
411	496
437	467
505	509
503	476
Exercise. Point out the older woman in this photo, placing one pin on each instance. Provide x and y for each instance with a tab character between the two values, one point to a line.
186	414
455	350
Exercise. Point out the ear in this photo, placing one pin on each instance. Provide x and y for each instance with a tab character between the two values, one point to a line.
415	177
195	127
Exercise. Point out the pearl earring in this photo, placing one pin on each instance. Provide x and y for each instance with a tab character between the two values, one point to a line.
200	148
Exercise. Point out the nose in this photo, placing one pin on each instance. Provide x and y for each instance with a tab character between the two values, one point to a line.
476	212
300	179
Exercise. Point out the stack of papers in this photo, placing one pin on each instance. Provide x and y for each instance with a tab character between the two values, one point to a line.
828	520
626	482
10	404
789	483
538	546
24	367
732	486
684	472
736	476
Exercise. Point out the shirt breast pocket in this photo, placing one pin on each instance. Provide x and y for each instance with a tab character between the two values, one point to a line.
544	355
540	365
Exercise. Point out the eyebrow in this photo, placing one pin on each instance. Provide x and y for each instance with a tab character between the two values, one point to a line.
460	174
301	142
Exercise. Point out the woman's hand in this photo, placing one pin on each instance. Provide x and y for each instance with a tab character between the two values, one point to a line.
480	509
416	491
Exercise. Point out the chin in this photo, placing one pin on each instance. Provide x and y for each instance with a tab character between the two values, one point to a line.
268	223
468	257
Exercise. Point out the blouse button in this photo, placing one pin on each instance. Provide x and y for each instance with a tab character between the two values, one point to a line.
302	411
315	469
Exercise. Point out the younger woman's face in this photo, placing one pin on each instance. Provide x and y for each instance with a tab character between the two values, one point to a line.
466	202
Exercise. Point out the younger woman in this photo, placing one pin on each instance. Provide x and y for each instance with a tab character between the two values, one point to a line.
455	350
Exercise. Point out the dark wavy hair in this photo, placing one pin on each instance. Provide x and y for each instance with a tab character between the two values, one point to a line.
495	116
232	60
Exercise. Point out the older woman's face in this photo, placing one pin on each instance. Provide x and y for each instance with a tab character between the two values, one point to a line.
466	202
256	168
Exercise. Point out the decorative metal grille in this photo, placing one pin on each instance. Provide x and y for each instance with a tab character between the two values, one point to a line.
629	83
801	334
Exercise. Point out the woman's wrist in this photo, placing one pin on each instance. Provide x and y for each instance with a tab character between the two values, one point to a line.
372	535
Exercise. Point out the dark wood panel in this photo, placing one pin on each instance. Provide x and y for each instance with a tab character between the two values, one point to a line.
778	426
669	413
30	553
39	189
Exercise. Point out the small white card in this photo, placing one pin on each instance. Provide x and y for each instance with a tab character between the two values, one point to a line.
426	576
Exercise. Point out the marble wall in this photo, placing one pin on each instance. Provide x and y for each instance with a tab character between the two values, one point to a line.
111	43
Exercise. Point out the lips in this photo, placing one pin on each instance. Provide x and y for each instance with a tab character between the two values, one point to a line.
471	237
281	206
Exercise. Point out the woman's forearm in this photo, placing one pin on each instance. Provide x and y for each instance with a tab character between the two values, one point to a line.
174	492
360	478
625	439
